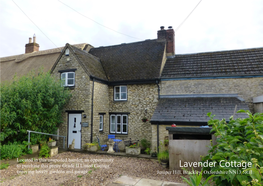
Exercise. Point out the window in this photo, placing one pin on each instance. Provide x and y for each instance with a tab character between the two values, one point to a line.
68	79
119	124
101	123
120	93
67	52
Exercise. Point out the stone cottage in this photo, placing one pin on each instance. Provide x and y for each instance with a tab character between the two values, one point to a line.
115	87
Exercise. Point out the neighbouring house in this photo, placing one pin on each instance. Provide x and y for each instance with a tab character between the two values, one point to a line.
115	87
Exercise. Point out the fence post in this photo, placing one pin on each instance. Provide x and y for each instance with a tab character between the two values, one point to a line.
28	140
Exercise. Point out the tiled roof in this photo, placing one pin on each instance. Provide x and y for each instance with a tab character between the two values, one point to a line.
211	64
22	64
91	63
189	110
133	61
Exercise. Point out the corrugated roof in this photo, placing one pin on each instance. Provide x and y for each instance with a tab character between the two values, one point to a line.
196	109
213	64
133	61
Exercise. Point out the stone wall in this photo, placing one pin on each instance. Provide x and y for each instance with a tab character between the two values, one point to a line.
80	99
246	88
142	101
100	105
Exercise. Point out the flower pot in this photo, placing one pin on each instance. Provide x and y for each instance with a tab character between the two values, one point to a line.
133	151
52	143
165	163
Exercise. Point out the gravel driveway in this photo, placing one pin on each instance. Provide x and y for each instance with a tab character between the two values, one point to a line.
73	168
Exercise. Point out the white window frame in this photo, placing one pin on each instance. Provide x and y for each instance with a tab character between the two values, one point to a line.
120	92
67	52
115	123
65	81
101	123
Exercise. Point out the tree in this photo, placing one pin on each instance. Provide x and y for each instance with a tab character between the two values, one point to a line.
32	102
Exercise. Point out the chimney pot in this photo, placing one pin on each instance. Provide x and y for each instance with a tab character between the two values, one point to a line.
32	47
168	35
34	38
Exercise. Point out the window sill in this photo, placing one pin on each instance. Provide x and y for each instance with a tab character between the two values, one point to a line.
120	100
69	87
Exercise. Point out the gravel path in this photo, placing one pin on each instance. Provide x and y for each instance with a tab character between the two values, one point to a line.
72	168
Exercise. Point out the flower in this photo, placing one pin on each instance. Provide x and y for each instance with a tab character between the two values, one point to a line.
51	140
133	146
144	119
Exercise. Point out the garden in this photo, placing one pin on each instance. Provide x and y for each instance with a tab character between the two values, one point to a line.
237	158
32	102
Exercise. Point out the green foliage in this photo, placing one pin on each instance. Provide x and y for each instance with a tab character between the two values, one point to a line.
147	151
15	150
163	155
3	166
44	151
145	143
33	102
239	142
195	179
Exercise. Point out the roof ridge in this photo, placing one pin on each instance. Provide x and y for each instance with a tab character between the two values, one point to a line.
220	51
123	44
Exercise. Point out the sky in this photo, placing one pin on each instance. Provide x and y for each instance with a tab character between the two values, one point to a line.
214	25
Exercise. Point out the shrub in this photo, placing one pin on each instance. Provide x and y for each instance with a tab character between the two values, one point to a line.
44	151
33	102
239	142
15	150
3	166
163	156
196	179
145	143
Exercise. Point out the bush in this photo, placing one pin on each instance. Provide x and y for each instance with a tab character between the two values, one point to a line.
145	143
3	166
239	142
33	102
15	150
44	151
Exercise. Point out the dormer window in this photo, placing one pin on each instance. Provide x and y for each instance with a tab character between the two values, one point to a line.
120	93
67	52
68	79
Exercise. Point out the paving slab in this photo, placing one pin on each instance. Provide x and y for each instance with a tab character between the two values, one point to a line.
128	180
166	183
149	182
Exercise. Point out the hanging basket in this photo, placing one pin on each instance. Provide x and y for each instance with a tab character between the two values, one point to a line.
144	119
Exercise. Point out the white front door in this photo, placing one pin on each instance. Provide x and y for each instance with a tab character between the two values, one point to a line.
74	130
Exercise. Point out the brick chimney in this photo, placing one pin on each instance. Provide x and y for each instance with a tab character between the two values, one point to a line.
32	47
167	35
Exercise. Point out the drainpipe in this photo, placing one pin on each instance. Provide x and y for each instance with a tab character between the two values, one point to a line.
157	83
91	122
158	137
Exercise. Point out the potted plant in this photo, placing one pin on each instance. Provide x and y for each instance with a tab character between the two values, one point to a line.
154	152
166	142
163	158
51	142
133	149
144	145
144	119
